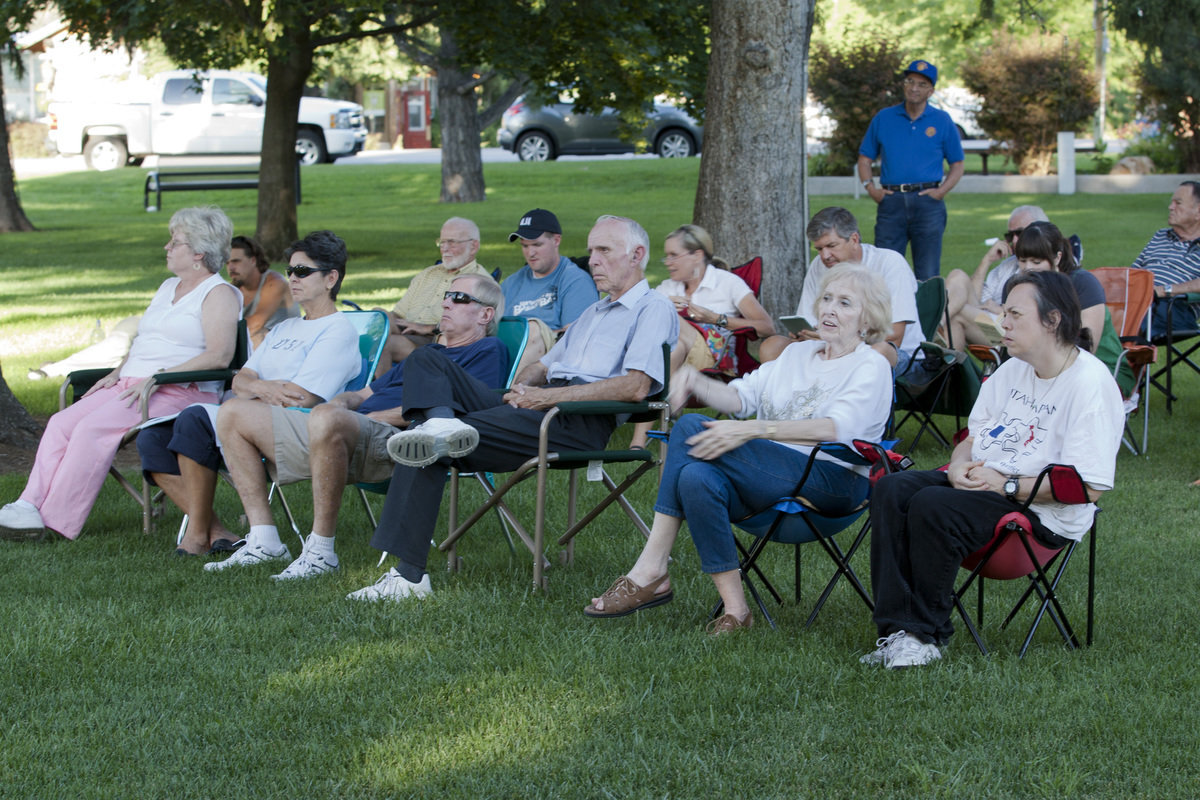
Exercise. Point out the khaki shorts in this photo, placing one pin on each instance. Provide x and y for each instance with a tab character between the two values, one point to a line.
369	463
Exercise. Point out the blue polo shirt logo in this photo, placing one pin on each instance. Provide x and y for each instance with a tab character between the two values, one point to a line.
931	131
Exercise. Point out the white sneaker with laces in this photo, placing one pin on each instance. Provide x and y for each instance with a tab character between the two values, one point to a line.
910	651
248	555
393	586
309	565
431	440
20	519
883	644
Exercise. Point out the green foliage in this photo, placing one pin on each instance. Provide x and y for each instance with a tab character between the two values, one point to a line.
28	139
1163	148
854	80
1032	88
1169	32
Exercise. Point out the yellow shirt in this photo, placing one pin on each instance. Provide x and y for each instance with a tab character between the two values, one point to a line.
422	303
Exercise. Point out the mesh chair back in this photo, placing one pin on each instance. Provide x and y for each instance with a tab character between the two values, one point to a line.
372	327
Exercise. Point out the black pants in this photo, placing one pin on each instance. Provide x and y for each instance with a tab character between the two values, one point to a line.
508	437
921	530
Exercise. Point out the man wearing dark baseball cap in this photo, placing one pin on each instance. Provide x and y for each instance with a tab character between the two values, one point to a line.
549	290
911	140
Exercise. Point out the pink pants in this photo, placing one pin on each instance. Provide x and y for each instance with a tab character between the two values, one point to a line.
80	443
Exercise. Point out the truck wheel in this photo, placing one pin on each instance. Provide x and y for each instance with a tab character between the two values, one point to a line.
535	146
105	153
310	148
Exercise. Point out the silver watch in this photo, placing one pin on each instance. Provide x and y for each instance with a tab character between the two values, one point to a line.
1011	486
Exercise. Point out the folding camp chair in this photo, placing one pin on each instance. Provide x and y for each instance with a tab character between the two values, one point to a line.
1013	552
1128	294
78	382
1176	354
794	520
652	409
923	389
738	359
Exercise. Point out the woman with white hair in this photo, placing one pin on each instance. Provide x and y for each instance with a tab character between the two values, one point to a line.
191	324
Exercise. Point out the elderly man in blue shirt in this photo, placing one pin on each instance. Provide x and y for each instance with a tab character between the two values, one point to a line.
912	140
612	352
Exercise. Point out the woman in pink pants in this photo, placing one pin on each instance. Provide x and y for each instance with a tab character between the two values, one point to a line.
190	324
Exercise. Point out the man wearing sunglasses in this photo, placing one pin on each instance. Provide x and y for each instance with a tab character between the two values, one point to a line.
345	440
416	314
912	140
973	301
612	352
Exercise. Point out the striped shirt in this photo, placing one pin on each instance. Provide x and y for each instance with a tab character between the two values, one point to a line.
1171	259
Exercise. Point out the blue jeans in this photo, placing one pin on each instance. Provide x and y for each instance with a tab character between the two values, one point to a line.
1181	315
904	217
746	480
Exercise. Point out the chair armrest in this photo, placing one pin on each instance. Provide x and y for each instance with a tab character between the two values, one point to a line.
193	376
79	382
606	407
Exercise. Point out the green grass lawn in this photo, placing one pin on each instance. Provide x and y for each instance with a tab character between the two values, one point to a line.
126	672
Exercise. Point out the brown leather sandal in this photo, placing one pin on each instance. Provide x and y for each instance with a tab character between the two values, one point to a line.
625	597
728	623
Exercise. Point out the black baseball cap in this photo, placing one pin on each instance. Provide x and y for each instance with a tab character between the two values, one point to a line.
534	223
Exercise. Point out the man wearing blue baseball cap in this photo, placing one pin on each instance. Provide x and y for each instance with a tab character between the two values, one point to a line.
911	140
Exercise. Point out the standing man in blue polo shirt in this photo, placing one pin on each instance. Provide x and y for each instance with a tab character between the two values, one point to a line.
912	140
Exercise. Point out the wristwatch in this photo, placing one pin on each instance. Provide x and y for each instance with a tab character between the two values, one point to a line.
1010	487
723	321
867	183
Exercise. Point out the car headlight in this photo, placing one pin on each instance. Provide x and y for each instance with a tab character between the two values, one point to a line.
342	119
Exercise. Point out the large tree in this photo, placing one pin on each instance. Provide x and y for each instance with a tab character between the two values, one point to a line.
284	36
751	194
15	15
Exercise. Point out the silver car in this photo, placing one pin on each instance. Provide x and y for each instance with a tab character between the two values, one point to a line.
543	133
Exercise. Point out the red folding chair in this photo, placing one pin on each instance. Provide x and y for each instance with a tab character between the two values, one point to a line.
1013	552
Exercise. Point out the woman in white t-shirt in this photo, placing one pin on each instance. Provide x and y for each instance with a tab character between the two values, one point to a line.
835	388
191	324
1051	403
710	299
302	362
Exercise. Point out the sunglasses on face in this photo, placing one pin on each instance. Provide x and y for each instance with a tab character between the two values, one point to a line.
1010	236
462	298
304	271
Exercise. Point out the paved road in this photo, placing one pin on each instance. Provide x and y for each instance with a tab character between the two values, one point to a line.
33	167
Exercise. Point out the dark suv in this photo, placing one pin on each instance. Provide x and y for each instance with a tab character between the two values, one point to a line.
544	133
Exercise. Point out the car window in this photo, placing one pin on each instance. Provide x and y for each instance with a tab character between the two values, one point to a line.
181	92
231	91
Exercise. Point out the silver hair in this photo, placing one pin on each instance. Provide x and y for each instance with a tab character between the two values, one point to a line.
207	230
635	235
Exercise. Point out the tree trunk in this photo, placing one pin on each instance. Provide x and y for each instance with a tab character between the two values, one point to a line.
17	427
286	78
751	191
12	216
458	114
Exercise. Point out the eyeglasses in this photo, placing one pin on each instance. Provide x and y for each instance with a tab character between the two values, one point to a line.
669	257
462	298
918	82
449	242
1011	236
303	270
171	245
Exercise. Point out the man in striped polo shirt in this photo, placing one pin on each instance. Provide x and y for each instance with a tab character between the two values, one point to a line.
1173	255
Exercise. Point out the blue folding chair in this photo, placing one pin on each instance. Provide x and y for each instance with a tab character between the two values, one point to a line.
794	520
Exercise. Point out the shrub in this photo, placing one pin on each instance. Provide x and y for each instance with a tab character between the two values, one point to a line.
28	139
1032	88
854	81
1161	146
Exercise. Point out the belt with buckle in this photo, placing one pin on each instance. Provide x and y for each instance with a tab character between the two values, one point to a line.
910	187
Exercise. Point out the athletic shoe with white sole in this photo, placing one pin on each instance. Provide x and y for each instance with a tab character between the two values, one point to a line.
432	440
910	651
249	555
393	586
883	644
21	520
308	565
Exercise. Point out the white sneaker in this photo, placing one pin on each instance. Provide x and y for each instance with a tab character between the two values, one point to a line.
883	645
20	521
248	555
393	586
910	651
309	565
433	439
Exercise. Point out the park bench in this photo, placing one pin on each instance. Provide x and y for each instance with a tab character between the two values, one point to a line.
158	181
986	147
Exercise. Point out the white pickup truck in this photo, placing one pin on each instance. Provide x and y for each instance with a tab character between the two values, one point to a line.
178	114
